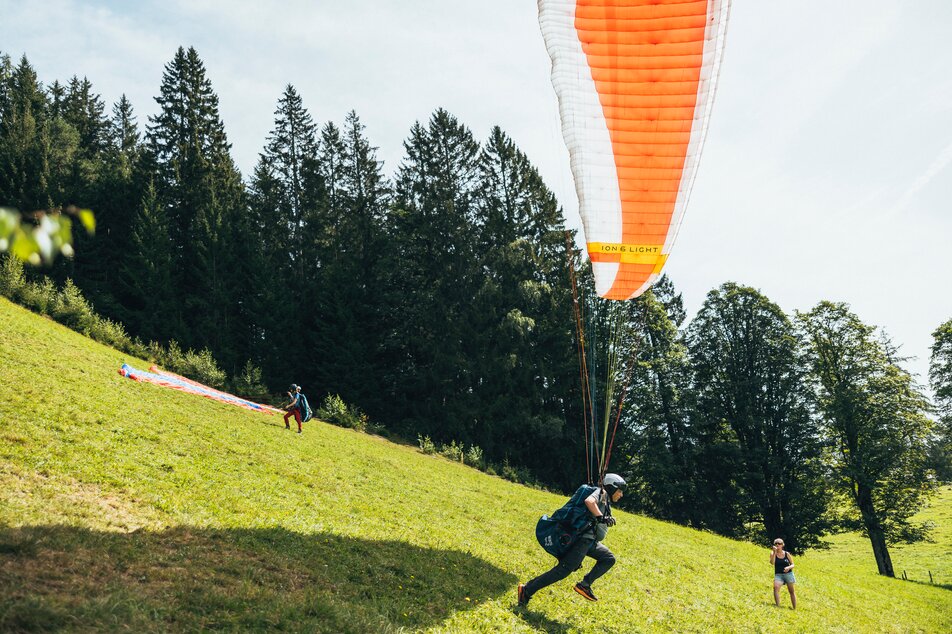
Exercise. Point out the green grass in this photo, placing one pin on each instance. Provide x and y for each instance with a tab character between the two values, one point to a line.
124	506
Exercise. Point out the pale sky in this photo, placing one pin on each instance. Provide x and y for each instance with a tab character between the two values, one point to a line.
827	171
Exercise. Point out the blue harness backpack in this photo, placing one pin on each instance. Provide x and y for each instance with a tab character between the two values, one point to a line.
304	408
556	534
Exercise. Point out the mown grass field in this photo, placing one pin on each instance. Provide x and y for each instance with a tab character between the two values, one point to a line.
124	506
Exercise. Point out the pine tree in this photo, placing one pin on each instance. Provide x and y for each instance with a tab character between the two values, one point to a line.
346	331
146	273
24	141
432	276
286	198
201	192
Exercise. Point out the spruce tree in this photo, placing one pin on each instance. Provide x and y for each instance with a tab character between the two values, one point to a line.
6	84
346	331
521	346
84	110
98	258
57	95
431	279
201	192
24	141
147	271
78	140
286	196
123	130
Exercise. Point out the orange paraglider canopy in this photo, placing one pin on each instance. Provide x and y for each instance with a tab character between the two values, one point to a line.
635	81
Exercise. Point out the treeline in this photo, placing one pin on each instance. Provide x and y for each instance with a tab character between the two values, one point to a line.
439	301
436	300
753	423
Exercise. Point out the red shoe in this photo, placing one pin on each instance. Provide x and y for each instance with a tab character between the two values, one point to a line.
585	591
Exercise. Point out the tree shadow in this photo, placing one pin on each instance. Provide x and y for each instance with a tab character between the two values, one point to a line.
187	579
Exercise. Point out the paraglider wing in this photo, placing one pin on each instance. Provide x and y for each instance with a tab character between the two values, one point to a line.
635	81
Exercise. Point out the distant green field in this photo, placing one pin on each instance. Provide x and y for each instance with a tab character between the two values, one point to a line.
124	506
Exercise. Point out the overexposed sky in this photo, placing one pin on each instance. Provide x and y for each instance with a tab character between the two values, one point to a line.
827	172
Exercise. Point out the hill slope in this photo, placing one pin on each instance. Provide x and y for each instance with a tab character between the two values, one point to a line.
124	505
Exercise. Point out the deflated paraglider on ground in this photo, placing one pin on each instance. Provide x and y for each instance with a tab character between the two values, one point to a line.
176	382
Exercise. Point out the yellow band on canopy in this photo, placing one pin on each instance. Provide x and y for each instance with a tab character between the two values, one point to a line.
627	253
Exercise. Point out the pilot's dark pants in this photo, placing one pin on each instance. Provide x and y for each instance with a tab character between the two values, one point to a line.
572	561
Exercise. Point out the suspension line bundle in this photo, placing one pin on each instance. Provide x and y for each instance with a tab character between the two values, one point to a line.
590	314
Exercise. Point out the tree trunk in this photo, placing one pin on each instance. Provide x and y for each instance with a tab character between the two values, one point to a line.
877	537
773	525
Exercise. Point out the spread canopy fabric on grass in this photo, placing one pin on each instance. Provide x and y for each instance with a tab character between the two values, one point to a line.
176	382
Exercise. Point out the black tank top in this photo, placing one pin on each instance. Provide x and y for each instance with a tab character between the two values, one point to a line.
779	564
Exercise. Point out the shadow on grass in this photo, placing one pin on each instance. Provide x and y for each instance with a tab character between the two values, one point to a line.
944	586
540	621
187	579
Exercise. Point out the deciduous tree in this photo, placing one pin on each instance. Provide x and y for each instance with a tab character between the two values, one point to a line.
875	418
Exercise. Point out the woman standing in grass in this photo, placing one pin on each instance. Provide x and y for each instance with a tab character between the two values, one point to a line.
783	573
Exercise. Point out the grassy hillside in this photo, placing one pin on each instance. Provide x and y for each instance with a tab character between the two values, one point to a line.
127	506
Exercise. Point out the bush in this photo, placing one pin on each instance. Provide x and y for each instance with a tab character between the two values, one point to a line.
171	358
71	309
157	354
426	445
202	367
335	411
376	428
38	297
474	457
198	366
248	384
515	474
110	333
12	278
135	347
453	451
